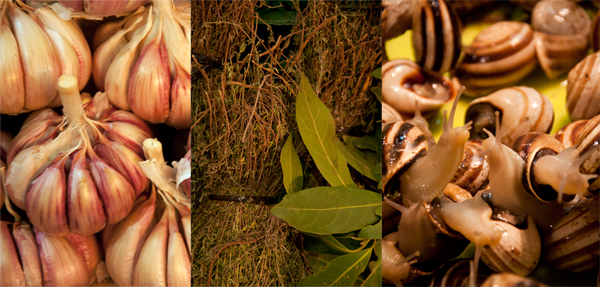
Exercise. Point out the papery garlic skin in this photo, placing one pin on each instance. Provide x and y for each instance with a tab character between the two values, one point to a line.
61	264
11	273
29	254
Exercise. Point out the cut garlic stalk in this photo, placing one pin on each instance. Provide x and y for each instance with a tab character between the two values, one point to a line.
103	176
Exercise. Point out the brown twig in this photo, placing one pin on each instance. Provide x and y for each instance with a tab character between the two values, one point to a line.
309	37
212	263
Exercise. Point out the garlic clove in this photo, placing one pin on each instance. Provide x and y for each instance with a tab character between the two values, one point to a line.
106	31
178	259
125	244
75	5
28	253
148	91
39	127
127	135
104	56
69	63
151	267
38	60
99	107
74	36
104	8
24	168
176	39
117	76
12	89
45	201
180	116
61	264
11	273
116	193
125	162
86	215
88	249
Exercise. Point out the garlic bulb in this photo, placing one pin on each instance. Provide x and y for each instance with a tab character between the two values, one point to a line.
5	140
151	246
143	64
33	258
76	173
37	47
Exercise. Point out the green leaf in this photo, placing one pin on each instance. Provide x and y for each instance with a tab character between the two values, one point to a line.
314	244
356	159
469	252
342	244
368	142
318	262
291	166
329	210
371	231
317	129
377	92
342	271
374	278
377	73
377	171
278	16
377	248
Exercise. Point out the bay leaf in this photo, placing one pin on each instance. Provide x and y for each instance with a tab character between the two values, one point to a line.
377	92
371	231
356	159
317	130
291	166
318	262
345	245
342	271
377	73
329	210
374	278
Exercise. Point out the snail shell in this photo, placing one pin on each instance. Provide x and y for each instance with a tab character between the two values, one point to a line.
509	280
573	244
595	32
531	147
589	138
473	171
567	135
403	144
583	84
561	34
436	35
456	273
396	17
405	83
389	114
501	55
518	251
522	110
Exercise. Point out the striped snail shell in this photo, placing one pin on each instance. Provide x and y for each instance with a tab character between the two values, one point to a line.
561	35
573	244
389	114
396	17
518	251
404	82
589	138
522	110
403	144
510	280
456	273
583	84
501	55
568	134
595	32
473	171
436	35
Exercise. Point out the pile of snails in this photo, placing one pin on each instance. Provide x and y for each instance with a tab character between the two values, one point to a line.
501	181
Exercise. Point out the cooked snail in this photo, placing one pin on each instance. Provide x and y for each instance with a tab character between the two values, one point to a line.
501	55
583	84
436	35
522	110
405	83
561	35
573	244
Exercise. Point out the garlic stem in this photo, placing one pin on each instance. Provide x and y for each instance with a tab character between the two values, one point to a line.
153	151
71	99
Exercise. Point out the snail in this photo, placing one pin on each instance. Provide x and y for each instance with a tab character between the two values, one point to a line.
595	33
522	110
389	114
404	82
518	251
561	35
567	135
473	171
501	55
509	280
436	35
573	244
396	17
395	267
588	141
583	83
457	272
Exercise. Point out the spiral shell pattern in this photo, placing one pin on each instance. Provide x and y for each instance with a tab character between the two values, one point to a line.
583	96
501	55
473	171
436	35
573	244
403	144
568	134
589	138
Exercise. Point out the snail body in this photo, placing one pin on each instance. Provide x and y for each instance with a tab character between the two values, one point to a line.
583	83
501	55
436	35
561	35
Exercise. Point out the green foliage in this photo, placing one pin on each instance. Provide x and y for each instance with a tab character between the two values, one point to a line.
343	222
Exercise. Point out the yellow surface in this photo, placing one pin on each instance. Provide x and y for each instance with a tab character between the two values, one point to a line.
555	90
